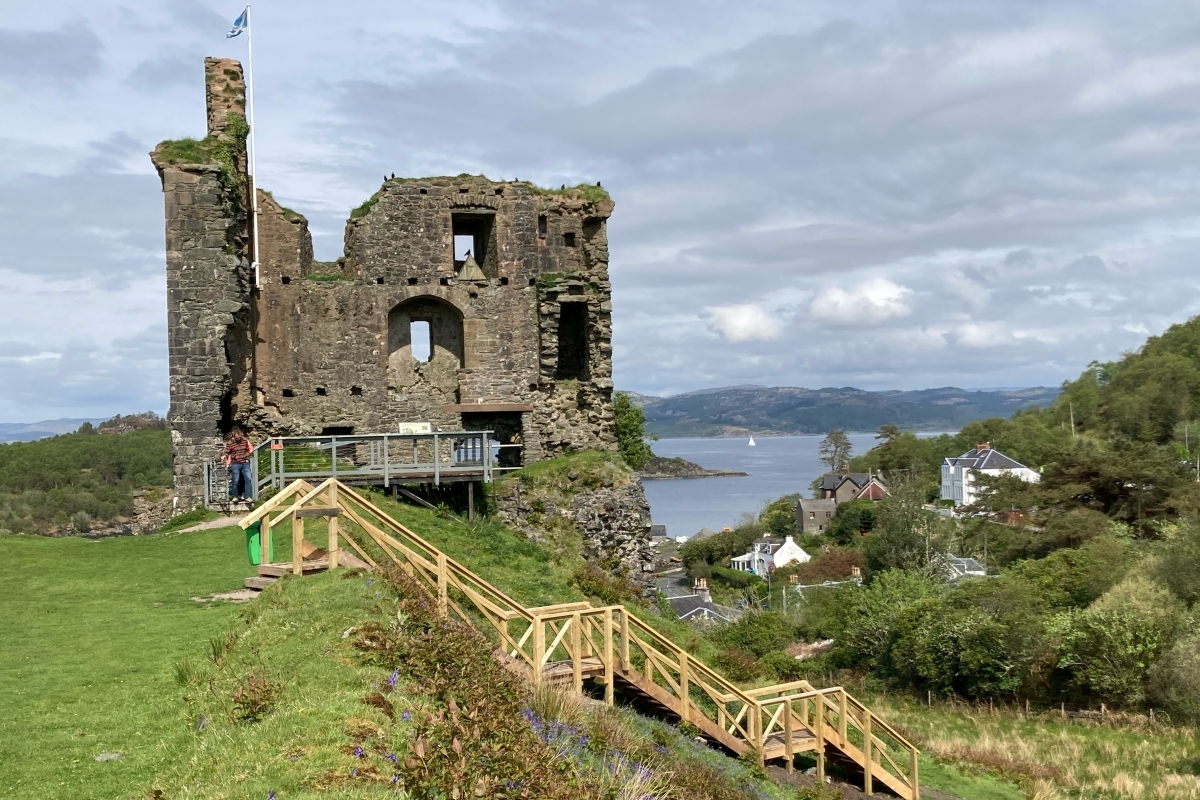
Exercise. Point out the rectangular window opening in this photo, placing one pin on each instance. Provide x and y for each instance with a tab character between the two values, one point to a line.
356	391
541	226
473	233
572	341
569	239
422	346
288	393
321	391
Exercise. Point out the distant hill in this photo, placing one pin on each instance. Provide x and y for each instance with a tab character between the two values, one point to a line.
739	411
32	431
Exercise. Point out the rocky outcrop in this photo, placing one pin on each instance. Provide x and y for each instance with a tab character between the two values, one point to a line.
604	503
660	468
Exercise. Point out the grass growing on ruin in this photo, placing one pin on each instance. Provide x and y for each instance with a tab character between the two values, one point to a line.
92	630
585	191
1052	758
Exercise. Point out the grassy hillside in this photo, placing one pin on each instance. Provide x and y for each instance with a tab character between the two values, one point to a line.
46	485
92	630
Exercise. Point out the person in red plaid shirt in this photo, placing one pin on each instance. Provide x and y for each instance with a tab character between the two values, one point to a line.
237	458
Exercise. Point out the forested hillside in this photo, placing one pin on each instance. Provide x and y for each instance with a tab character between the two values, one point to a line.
742	410
71	480
1094	570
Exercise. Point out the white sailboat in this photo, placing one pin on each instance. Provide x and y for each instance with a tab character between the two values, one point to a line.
752	441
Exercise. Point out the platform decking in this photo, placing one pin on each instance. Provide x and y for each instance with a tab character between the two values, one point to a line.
569	643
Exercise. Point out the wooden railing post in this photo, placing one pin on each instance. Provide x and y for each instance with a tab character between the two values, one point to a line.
297	544
915	782
625	639
787	736
577	653
264	539
539	649
609	672
684	690
842	733
334	544
443	584
819	730
868	778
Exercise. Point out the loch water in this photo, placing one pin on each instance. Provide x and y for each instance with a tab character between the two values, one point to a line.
777	465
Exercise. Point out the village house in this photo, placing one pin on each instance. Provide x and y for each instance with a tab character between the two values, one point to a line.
815	516
768	554
844	486
959	475
699	606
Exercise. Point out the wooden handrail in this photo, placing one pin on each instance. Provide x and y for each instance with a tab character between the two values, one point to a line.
749	720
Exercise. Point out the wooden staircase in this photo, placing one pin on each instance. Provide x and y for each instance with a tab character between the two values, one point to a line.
569	643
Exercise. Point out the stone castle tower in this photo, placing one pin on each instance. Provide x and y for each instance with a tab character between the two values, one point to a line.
515	337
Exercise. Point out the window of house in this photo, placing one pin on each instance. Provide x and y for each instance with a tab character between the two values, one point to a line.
569	239
828	514
812	515
422	347
820	527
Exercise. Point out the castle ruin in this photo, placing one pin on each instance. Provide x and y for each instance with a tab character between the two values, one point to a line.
515	337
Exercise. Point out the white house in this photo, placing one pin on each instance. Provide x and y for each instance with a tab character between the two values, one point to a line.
769	554
959	474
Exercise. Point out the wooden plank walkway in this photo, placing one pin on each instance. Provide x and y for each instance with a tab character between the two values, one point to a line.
570	643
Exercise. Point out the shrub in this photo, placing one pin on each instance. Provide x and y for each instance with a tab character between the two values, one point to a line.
255	697
1174	682
757	632
869	623
629	424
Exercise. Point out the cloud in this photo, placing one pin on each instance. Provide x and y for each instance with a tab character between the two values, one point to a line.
70	53
746	322
868	304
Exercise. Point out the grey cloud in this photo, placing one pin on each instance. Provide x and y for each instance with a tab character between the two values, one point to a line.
168	71
70	53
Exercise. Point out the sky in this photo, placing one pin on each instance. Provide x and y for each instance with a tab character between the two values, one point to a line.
887	195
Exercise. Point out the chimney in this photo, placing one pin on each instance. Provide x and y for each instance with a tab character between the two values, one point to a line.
701	589
984	446
845	469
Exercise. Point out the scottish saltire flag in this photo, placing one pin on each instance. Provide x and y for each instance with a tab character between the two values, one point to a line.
240	24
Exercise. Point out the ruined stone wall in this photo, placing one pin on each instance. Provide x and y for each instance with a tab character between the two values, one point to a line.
208	285
335	353
524	345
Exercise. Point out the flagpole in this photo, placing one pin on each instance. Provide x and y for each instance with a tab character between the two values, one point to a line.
253	149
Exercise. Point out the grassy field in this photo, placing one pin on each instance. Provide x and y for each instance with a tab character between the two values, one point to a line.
91	631
1052	758
95	632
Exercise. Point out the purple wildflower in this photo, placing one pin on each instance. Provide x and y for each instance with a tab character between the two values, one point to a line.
391	757
395	677
395	778
406	716
358	752
353	773
271	795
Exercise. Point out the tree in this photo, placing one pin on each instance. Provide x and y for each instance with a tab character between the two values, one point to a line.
630	425
835	449
906	535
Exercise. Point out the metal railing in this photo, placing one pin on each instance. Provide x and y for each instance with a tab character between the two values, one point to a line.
435	457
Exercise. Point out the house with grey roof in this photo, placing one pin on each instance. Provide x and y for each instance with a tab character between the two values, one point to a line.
844	486
959	475
815	516
959	568
699	606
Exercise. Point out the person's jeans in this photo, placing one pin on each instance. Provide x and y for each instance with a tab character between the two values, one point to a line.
240	471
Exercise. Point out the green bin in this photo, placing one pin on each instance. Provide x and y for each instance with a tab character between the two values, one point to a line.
254	544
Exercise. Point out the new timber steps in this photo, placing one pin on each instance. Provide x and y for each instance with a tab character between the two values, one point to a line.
566	644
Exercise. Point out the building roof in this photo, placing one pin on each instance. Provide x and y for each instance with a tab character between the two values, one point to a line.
824	504
984	458
830	481
701	535
692	605
962	567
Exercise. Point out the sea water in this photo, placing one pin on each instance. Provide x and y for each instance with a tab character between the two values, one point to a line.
777	465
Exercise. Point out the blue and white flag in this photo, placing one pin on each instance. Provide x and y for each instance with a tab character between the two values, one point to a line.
240	24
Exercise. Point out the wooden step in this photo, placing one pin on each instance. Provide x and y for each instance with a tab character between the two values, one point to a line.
278	570
259	582
559	672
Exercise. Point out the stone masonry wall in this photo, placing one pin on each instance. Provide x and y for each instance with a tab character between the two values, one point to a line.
208	296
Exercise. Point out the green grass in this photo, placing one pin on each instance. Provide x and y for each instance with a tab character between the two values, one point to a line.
586	191
966	785
188	518
92	630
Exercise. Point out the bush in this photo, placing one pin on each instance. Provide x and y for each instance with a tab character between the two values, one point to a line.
1180	570
629	424
1110	647
870	621
1174	682
851	520
758	632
